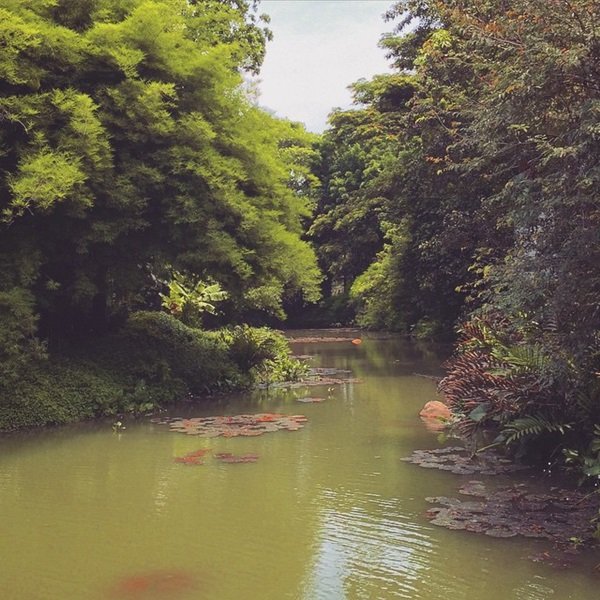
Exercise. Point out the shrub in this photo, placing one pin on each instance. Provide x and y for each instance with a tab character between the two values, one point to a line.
264	353
156	348
57	391
152	360
523	384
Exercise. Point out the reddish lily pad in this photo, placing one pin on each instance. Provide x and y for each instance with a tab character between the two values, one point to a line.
193	458
199	453
153	586
237	425
188	460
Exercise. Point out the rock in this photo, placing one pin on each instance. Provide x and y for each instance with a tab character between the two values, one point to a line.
436	410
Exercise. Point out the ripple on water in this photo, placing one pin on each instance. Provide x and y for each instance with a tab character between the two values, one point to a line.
369	547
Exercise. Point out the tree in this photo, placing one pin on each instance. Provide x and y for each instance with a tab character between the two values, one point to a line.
527	141
357	153
130	150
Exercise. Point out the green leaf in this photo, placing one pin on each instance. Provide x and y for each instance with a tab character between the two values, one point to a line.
479	413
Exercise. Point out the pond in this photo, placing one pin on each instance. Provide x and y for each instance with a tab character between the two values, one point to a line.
328	511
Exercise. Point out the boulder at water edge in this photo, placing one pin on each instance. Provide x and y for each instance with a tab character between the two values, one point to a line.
435	410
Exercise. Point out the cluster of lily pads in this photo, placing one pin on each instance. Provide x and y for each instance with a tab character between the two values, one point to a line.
459	461
245	425
561	516
192	458
317	376
234	426
227	457
511	511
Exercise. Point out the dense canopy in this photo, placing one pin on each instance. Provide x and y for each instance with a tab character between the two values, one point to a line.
471	177
131	148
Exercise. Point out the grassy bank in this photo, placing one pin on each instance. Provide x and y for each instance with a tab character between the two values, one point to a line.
151	361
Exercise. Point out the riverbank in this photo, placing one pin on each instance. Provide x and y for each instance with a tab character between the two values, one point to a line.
151	361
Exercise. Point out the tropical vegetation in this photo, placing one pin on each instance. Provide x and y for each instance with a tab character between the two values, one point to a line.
147	201
472	174
136	170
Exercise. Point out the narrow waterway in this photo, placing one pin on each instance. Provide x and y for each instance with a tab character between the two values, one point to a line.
327	512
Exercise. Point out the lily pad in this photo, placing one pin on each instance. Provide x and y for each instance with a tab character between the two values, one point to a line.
459	461
318	376
193	458
226	457
473	488
188	460
237	425
511	511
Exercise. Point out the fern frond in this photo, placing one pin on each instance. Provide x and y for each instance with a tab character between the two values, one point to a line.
530	426
523	358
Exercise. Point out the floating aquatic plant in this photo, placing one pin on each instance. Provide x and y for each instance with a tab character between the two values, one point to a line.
310	400
459	461
193	458
234	426
318	376
153	585
227	457
560	516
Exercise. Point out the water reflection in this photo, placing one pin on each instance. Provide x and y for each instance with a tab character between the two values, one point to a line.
359	554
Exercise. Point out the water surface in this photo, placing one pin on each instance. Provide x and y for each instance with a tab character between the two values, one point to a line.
328	512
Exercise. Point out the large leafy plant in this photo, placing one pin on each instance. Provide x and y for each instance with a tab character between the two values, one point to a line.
188	299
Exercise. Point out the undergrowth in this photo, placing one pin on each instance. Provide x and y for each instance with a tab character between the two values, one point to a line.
150	361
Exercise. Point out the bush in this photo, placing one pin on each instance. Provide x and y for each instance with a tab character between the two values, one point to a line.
152	360
57	391
251	346
520	383
263	353
156	348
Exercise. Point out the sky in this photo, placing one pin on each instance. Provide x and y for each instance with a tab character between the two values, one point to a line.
319	48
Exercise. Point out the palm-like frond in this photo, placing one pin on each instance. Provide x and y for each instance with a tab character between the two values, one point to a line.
531	427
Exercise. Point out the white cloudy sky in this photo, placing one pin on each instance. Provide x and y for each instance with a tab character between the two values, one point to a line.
320	47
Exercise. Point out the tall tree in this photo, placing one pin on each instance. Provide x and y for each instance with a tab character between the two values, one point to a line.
129	149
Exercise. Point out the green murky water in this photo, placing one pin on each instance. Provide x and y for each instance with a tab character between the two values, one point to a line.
329	512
